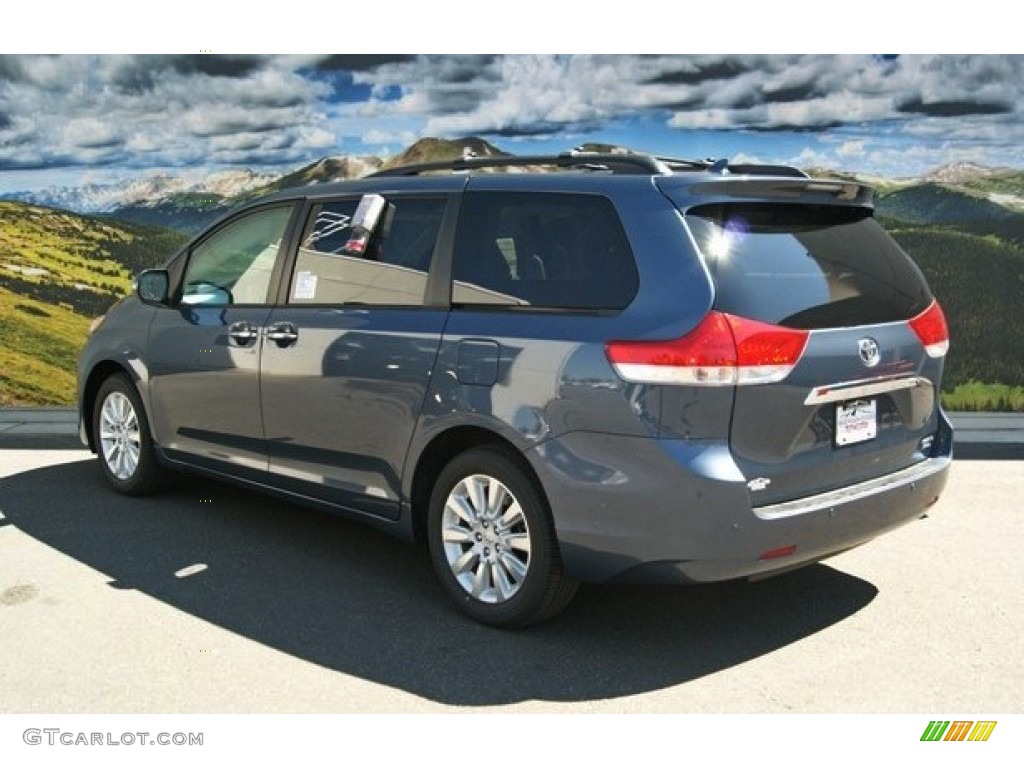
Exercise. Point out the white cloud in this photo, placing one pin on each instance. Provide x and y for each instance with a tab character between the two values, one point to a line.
742	158
524	94
90	132
158	111
313	137
851	149
811	157
383	137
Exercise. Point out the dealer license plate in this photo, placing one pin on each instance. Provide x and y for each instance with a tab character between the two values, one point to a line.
856	421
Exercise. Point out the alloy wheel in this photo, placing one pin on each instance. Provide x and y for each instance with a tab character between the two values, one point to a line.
486	538
120	437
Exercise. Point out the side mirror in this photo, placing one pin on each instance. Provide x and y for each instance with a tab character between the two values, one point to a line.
152	286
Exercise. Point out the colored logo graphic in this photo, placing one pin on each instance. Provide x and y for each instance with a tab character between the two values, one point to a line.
958	730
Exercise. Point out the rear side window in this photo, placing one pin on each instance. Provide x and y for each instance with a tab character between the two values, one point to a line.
393	269
806	266
545	250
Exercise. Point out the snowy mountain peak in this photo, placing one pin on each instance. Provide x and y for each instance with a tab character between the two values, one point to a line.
959	172
105	198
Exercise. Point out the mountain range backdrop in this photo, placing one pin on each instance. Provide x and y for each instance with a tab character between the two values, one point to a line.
108	164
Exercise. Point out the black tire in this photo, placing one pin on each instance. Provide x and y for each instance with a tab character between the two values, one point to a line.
509	557
145	475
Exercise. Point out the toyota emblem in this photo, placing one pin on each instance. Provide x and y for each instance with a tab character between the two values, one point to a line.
868	350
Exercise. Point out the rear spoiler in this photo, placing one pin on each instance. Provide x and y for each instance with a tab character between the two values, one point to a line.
731	189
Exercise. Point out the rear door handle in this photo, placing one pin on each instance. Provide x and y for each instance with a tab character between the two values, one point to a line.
243	333
282	334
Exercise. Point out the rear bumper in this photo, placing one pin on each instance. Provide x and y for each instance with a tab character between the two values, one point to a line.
824	525
644	510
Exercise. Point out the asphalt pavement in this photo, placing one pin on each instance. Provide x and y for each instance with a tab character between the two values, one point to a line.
211	598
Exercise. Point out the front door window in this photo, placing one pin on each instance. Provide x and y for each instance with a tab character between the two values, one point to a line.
235	264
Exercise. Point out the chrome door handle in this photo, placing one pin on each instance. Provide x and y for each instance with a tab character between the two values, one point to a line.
243	333
282	334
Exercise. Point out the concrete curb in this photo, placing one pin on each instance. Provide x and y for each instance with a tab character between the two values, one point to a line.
38	421
988	427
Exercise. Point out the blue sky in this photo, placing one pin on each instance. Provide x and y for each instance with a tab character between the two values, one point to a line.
74	119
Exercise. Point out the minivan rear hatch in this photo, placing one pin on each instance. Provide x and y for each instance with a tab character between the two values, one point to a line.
861	400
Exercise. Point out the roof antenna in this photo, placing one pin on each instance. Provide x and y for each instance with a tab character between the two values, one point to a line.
720	166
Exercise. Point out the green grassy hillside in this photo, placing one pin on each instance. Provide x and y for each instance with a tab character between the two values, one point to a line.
184	212
1004	182
37	367
58	270
940	204
979	279
971	249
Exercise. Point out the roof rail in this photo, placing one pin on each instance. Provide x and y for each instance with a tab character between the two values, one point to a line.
722	165
595	161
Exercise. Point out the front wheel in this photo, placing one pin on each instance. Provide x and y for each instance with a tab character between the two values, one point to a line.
492	541
123	441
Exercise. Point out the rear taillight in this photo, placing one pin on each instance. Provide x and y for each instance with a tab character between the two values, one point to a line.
930	327
765	353
724	350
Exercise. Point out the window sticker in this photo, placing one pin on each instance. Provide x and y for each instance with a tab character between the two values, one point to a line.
305	285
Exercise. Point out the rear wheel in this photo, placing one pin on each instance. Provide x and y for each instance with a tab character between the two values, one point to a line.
123	441
492	541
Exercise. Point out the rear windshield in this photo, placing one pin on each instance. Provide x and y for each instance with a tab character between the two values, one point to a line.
806	266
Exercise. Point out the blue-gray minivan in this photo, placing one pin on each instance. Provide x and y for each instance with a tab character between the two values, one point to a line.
584	367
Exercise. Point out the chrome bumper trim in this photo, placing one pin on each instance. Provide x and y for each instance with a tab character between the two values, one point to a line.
808	504
852	390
